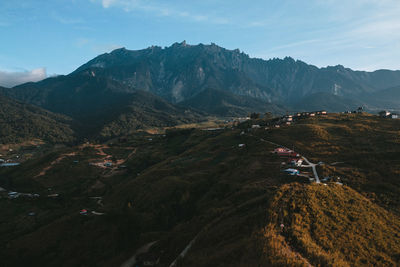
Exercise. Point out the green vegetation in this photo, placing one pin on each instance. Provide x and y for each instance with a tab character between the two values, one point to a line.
366	147
21	122
226	104
191	184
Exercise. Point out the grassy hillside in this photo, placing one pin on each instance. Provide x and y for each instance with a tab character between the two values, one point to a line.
331	226
199	190
365	148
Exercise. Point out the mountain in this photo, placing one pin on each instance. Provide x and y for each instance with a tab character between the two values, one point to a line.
386	99
226	104
181	71
24	122
326	101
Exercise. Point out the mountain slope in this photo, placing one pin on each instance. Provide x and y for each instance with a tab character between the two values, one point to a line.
102	106
222	103
199	190
22	122
386	98
144	110
327	101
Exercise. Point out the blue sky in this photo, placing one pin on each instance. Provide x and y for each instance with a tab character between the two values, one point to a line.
43	37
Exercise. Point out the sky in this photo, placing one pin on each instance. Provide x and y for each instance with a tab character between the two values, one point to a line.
41	38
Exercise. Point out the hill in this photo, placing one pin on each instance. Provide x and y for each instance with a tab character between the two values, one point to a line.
199	191
145	111
101	106
225	104
23	122
330	226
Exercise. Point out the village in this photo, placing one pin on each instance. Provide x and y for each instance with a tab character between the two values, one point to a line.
293	164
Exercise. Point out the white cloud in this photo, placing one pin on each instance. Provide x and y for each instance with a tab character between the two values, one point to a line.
108	3
161	10
10	79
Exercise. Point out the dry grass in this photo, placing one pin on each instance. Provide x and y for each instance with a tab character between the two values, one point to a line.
335	226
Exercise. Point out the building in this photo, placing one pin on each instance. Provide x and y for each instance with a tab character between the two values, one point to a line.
287	118
12	195
384	113
83	212
280	150
295	162
285	152
9	164
292	171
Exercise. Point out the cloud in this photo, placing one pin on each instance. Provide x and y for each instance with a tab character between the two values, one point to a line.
10	79
161	10
108	3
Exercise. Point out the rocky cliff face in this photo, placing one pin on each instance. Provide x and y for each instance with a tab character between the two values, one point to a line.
180	72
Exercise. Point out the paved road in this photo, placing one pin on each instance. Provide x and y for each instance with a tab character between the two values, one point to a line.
132	260
314	169
184	252
310	164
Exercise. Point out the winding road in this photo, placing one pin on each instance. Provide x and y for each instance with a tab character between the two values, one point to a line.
132	260
310	164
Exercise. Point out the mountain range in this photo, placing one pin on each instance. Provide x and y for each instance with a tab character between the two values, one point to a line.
181	71
125	90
